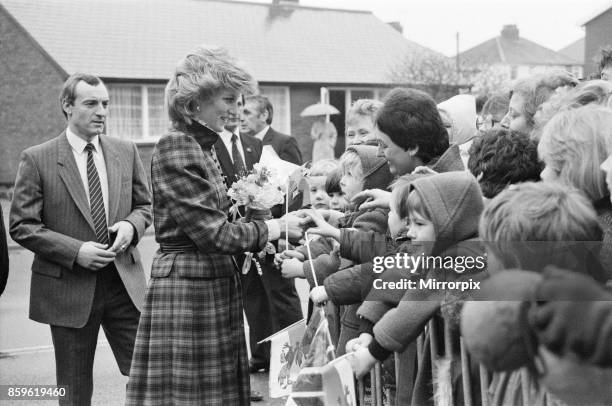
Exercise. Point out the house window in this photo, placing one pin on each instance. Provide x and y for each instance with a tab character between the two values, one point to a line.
279	97
136	112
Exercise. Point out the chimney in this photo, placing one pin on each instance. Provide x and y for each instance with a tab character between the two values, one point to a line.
510	32
396	26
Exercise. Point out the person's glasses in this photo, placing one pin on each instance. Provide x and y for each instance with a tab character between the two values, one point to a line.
486	123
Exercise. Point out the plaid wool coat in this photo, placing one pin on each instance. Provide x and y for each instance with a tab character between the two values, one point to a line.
190	347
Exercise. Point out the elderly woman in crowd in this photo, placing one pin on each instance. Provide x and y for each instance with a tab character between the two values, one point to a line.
573	147
360	122
529	93
190	346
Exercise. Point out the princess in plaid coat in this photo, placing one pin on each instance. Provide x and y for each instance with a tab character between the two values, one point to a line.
190	347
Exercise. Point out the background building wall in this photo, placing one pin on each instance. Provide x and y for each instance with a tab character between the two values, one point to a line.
30	84
598	34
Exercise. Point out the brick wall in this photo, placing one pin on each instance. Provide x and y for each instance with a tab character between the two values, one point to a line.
29	84
598	34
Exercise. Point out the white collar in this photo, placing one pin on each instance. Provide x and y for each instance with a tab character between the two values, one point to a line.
260	135
78	144
226	135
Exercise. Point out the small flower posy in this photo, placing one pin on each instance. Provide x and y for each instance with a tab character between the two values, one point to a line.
259	190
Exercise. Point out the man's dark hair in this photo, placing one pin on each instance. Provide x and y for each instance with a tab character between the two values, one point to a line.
411	119
503	157
68	93
605	59
263	104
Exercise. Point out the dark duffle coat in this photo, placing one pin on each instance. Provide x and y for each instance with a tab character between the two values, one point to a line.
190	347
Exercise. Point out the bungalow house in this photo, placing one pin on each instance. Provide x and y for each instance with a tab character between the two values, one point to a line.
513	56
293	51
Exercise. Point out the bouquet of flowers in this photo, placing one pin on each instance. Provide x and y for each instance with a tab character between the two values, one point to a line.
258	191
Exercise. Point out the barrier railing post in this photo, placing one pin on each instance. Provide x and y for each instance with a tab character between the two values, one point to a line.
484	385
465	375
379	385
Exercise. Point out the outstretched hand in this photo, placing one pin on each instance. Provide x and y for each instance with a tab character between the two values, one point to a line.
323	228
372	199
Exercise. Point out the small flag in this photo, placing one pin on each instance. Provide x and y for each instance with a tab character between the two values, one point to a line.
286	358
329	385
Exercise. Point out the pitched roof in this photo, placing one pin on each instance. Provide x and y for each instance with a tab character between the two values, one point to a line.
514	51
597	13
575	50
143	39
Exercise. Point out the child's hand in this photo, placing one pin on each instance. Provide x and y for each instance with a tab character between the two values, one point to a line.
363	340
362	361
318	295
423	170
288	254
322	228
292	268
372	199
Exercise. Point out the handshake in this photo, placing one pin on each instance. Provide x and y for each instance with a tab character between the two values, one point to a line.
294	224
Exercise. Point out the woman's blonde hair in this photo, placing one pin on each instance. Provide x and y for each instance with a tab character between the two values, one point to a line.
574	144
202	74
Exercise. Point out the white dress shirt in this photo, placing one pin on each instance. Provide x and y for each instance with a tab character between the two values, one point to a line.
80	156
260	135
226	137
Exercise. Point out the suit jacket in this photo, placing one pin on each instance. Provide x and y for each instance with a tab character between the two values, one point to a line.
285	146
50	216
252	152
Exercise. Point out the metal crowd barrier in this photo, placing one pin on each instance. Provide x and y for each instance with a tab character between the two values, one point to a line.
376	386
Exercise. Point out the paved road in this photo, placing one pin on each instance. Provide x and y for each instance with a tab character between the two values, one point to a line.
26	355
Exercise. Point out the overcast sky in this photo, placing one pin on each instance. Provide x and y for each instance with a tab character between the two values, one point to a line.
434	23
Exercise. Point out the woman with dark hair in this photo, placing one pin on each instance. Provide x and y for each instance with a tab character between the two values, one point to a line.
190	346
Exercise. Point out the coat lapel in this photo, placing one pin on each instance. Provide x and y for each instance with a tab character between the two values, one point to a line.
69	173
225	160
113	172
250	156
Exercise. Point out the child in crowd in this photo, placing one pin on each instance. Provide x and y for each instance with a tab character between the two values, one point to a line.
337	199
503	157
531	226
317	175
360	122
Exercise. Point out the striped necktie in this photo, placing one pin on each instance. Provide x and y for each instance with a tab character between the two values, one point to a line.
96	202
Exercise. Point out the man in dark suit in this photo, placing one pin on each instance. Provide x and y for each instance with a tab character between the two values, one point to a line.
256	120
81	203
269	297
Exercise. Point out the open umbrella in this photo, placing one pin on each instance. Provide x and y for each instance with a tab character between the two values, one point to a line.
319	109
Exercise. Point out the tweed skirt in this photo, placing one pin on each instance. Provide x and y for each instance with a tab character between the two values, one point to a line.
190	347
